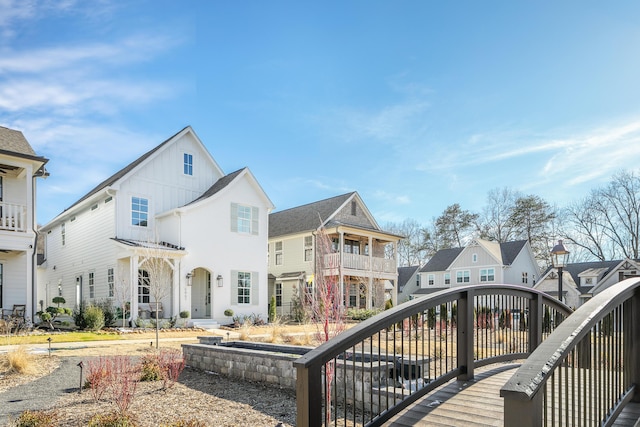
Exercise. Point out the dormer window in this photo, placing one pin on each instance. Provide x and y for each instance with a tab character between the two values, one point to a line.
188	164
588	281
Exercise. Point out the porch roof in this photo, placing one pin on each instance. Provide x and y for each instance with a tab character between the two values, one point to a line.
165	246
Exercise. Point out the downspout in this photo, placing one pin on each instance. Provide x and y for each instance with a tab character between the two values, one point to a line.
34	254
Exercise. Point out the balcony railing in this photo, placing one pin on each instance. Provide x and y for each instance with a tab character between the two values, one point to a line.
13	217
360	262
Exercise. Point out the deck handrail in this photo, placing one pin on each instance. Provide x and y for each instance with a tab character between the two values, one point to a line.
473	305
597	347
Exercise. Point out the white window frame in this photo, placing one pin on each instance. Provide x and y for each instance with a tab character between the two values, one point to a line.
111	282
187	164
474	258
244	219
139	216
431	279
244	288
144	292
92	285
447	278
278	293
279	255
308	248
463	276
487	275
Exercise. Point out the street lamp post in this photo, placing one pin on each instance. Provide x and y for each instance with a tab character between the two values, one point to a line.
559	256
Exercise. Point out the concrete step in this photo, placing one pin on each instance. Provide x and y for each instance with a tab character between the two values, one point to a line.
203	323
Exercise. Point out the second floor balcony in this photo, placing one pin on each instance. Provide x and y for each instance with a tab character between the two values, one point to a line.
13	217
362	263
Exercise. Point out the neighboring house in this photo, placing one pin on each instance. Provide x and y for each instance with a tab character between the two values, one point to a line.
19	168
408	282
174	203
582	280
480	262
364	262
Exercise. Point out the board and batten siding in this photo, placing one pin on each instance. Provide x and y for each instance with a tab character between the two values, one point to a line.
163	183
88	247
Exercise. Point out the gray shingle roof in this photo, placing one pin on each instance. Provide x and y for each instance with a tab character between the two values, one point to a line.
218	185
510	250
306	217
442	259
14	141
574	269
122	172
405	274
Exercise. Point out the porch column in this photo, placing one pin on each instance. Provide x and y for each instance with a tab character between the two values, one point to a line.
370	274
341	278
177	285
394	294
133	280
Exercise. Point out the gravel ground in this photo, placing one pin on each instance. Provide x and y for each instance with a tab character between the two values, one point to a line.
211	399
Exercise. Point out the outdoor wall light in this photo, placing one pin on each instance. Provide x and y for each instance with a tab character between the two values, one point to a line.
189	278
219	280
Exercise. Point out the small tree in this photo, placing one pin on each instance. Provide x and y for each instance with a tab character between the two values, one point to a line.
51	313
272	309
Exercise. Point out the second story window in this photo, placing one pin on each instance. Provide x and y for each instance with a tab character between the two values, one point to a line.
278	253
139	212
431	279
308	248
447	278
352	247
244	219
487	275
110	282
525	277
462	276
63	233
188	164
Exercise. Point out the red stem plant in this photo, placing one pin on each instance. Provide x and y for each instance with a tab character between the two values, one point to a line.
123	381
172	363
328	311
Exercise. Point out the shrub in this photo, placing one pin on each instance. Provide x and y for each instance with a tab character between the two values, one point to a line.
361	313
94	318
140	322
108	311
185	314
272	309
228	312
388	304
113	419
98	377
78	315
150	368
20	361
37	419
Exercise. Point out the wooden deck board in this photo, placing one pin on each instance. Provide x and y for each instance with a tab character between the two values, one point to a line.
476	403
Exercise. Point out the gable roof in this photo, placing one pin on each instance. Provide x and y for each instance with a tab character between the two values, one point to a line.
510	251
442	259
576	269
217	186
405	274
505	253
306	217
13	142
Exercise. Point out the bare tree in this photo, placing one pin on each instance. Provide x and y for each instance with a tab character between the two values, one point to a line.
327	306
122	294
606	224
494	222
412	247
158	280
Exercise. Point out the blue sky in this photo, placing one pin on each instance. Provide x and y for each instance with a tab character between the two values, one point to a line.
414	104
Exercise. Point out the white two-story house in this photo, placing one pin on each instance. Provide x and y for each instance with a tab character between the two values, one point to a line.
480	262
19	169
173	203
363	261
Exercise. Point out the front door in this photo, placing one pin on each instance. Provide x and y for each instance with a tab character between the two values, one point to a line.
78	290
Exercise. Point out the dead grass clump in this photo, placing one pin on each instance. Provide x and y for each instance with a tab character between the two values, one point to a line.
245	332
19	361
275	332
37	418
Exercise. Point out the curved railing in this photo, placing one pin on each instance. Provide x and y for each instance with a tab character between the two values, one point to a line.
586	370
373	370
